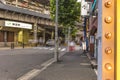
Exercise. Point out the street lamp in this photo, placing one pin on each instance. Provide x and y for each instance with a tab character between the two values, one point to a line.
56	34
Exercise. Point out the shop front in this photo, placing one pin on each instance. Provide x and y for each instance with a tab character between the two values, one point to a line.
14	32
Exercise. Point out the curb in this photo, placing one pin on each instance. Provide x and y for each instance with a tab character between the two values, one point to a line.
92	61
8	48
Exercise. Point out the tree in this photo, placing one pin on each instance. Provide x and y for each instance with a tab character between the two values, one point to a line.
68	13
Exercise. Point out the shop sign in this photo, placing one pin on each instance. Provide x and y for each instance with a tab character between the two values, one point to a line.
92	39
84	8
17	25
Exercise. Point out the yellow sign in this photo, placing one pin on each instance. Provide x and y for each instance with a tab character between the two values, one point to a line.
118	41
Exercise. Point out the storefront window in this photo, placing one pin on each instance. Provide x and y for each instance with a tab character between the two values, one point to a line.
1	36
10	36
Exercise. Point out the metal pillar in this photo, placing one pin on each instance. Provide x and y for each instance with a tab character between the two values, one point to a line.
56	34
69	31
106	40
84	35
5	38
84	28
44	36
118	40
35	33
52	35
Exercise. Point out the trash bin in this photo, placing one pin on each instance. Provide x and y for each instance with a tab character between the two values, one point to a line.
72	46
12	45
23	45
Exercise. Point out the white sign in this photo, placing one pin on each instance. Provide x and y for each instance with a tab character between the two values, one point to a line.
84	8
91	39
18	25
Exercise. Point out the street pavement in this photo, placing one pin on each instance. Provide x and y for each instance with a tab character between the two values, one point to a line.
37	63
72	66
17	62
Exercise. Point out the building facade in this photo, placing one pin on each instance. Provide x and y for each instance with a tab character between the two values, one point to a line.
24	22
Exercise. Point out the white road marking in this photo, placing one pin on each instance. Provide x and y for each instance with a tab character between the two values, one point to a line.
37	47
59	48
92	63
31	74
85	64
47	62
63	49
51	49
96	71
45	48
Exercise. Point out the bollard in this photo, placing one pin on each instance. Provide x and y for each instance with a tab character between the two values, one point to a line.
12	45
23	45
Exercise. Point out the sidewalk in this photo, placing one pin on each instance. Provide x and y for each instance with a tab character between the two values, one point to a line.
8	48
72	66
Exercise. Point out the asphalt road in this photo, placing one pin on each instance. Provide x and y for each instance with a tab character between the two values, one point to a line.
17	62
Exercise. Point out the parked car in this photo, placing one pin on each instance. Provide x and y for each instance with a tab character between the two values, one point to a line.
50	42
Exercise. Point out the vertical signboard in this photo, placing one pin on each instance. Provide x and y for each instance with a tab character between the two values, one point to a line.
84	8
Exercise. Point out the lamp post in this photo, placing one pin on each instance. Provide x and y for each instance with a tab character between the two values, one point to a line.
56	34
84	28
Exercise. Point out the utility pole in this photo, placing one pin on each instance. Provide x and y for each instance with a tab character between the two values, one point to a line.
84	28
69	31
56	34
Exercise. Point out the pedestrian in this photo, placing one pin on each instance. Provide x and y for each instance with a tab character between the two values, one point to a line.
84	46
80	43
87	44
81	40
